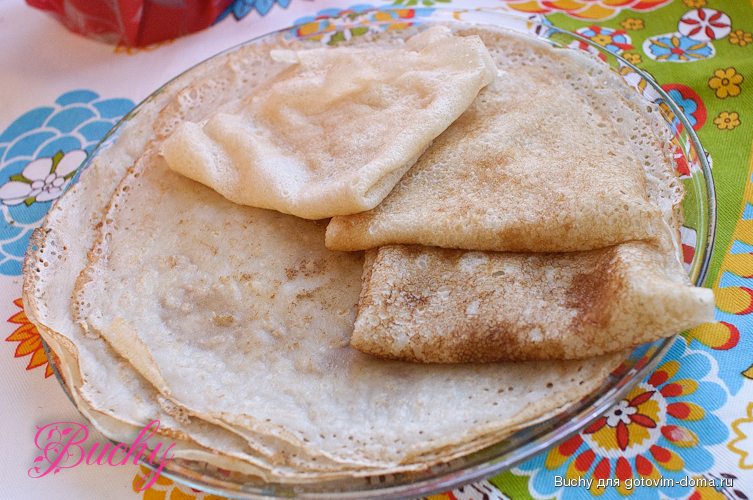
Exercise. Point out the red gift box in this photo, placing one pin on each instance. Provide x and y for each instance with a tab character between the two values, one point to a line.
134	23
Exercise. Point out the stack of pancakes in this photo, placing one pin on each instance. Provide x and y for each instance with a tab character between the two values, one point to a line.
517	207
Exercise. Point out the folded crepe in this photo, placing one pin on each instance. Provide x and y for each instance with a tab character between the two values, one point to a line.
546	159
435	305
555	155
335	132
231	324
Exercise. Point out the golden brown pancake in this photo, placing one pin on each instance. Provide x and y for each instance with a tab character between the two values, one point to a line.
435	305
546	159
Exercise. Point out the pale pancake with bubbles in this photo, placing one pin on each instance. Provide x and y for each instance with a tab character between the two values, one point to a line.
106	389
546	159
242	315
528	392
334	132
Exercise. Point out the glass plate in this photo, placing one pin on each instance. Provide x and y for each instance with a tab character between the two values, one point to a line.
699	208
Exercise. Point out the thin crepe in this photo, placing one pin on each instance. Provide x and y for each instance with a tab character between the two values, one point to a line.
335	132
435	305
106	389
528	392
113	396
546	159
426	304
242	315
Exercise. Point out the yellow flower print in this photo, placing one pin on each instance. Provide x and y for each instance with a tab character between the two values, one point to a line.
694	4
602	40
166	489
628	424
596	10
741	426
30	341
726	82
727	121
632	23
632	57
667	112
741	38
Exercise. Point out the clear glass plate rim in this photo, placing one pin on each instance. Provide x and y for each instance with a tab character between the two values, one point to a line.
588	411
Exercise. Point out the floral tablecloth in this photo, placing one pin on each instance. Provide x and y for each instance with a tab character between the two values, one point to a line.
691	420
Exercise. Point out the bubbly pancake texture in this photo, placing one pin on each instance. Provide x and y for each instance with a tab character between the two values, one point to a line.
231	324
115	398
334	132
262	326
435	305
543	161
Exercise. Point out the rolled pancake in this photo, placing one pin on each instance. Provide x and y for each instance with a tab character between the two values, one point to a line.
435	305
335	132
242	315
546	159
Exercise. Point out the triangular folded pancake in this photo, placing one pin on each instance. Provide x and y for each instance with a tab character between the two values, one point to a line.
335	132
544	160
435	305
